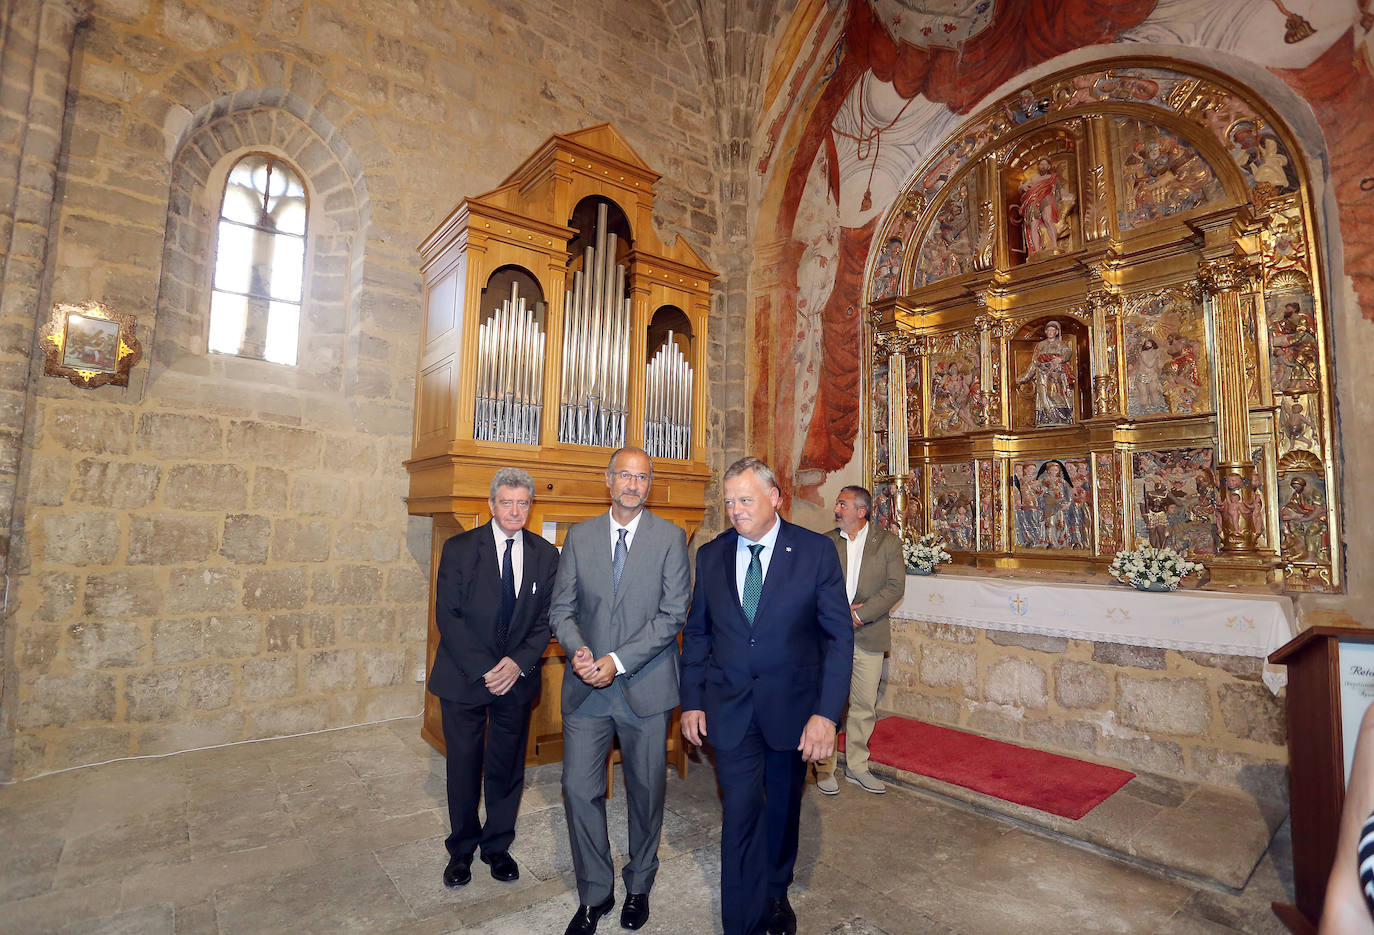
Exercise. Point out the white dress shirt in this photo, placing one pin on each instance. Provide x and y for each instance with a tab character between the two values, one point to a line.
630	528
768	540
854	555
517	552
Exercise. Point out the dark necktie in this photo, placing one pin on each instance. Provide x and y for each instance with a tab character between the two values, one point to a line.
618	561
753	583
507	598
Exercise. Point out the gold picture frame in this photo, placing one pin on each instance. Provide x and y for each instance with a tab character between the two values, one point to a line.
90	345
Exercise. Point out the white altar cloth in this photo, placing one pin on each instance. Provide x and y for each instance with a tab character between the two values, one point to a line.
1193	621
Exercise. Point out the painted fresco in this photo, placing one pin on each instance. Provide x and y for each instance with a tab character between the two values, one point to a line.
954	392
949	246
1048	374
1175	499
1304	535
1042	204
1300	423
1053	504
1167	368
1108	472
952	504
1294	358
1158	175
887	271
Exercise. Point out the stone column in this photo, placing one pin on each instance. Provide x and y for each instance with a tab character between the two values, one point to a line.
1240	506
36	41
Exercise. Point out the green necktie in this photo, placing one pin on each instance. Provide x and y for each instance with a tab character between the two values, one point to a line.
753	583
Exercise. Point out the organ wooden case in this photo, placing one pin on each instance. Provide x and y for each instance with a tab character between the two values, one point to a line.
558	327
1097	316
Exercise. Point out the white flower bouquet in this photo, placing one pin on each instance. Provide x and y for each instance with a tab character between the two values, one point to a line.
922	555
1151	569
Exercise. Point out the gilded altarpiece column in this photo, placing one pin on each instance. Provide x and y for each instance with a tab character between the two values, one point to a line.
1230	284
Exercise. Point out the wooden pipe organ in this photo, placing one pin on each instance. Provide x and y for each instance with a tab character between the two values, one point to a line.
557	327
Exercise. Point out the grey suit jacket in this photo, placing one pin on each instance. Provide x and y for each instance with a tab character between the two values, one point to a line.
639	624
882	582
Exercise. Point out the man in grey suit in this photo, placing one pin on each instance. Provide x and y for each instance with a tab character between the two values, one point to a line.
619	600
875	579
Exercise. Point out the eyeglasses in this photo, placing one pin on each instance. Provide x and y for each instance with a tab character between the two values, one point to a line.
627	476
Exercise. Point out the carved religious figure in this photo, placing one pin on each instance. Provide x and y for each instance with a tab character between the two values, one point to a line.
1294	351
1042	209
1050	372
1241	520
1303	519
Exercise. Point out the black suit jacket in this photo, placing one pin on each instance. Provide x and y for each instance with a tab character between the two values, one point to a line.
467	606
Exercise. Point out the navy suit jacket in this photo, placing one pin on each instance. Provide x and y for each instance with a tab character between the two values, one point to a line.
795	661
467	607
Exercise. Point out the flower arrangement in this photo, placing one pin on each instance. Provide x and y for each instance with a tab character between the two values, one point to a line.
922	555
1151	569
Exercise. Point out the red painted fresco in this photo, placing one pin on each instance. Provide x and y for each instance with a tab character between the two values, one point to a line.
1339	89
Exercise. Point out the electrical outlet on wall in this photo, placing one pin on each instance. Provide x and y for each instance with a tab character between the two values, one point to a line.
419	673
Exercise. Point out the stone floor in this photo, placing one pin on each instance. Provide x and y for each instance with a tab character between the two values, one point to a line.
343	832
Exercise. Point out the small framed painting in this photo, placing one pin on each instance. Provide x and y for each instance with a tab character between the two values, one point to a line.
90	345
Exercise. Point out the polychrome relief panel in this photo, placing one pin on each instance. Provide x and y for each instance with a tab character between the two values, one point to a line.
952	503
913	396
955	385
1304	535
1300	423
913	520
887	271
987	502
1108	472
1261	155
1167	370
885	514
1158	174
1053	505
1294	357
881	458
950	244
1175	499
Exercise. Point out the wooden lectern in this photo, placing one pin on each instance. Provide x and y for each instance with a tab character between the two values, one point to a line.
1325	704
558	327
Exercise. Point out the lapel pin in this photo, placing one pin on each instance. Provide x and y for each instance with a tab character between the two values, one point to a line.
788	549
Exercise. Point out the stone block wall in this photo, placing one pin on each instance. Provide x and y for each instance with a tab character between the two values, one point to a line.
1191	715
222	551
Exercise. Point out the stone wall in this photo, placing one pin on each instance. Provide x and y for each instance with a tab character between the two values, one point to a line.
1191	715
221	551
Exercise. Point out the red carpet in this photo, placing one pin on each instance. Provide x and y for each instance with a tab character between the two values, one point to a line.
1060	785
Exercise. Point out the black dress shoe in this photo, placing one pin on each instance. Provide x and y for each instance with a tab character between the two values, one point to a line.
635	912
781	919
584	922
458	872
503	866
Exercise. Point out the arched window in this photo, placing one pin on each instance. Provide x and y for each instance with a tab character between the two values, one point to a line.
255	306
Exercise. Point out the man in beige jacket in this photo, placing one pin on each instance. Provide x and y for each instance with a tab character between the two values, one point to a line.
875	579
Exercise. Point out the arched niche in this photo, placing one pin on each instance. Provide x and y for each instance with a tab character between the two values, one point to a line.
1050	373
512	280
669	319
584	221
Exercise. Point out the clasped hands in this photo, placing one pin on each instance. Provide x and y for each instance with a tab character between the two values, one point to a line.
598	673
817	739
502	676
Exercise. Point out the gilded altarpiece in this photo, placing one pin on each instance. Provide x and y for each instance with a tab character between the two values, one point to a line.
1110	323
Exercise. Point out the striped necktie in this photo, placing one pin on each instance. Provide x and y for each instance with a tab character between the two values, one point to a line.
618	561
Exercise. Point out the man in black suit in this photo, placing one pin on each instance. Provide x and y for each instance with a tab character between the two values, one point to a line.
766	659
492	612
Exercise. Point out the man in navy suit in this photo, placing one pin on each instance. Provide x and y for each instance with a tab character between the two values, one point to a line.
491	608
766	658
